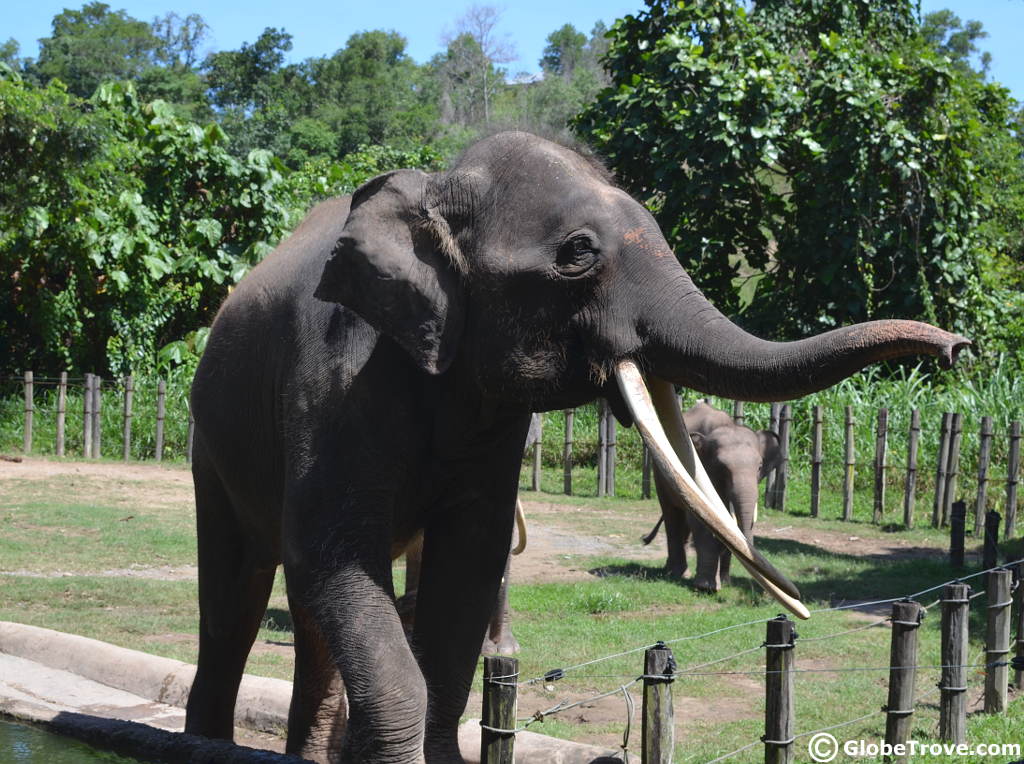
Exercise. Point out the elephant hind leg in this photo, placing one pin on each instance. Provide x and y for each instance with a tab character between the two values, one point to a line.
319	710
233	592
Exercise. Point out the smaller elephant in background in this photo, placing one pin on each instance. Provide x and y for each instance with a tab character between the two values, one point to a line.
736	459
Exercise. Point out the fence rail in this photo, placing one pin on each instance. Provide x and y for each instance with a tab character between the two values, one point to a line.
614	449
781	672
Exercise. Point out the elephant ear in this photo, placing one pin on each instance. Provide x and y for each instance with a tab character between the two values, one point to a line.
698	441
771	452
393	265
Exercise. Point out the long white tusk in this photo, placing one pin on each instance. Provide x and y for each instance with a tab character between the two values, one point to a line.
671	418
521	527
666	453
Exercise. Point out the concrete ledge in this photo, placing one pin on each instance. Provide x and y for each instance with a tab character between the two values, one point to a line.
262	705
262	702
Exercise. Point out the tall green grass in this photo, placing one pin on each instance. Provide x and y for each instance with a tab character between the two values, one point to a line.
143	434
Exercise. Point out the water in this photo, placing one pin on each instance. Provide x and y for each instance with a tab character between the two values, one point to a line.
22	744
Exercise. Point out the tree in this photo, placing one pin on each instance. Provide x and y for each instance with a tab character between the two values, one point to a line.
467	68
947	34
803	143
123	225
564	51
94	45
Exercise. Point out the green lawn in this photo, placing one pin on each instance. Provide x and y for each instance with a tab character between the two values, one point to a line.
65	555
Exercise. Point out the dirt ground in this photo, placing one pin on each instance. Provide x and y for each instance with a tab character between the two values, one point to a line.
555	540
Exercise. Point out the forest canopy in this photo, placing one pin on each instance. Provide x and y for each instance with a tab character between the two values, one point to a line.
845	144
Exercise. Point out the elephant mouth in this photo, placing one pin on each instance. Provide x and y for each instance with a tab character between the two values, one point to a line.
656	411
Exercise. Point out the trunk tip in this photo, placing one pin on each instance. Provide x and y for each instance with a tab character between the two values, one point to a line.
952	349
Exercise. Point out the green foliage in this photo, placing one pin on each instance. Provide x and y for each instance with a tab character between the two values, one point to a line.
92	45
124	226
805	143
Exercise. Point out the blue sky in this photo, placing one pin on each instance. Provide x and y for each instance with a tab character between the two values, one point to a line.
320	27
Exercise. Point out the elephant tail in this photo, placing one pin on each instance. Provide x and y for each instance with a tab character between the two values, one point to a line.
520	527
654	531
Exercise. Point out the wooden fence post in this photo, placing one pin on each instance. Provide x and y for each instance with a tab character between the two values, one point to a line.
611	432
87	417
816	459
62	403
97	416
910	486
957	522
851	457
906	620
780	641
737	412
953	465
782	474
26	443
161	394
658	725
997	640
1012	476
881	439
570	415
984	453
990	547
497	741
953	684
769	483
645	475
537	453
1019	678
940	471
129	389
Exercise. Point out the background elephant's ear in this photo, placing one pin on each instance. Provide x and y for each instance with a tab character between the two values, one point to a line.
771	452
388	267
698	441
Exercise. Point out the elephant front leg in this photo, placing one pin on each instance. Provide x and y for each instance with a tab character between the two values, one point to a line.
464	555
341	577
709	557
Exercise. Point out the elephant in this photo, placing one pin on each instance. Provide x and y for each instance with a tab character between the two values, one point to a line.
499	638
373	377
737	458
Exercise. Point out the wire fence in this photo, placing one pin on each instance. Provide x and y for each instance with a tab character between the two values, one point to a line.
624	682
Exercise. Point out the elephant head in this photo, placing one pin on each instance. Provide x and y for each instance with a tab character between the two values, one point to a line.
528	276
736	459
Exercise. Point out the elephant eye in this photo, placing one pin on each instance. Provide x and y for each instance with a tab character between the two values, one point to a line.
576	255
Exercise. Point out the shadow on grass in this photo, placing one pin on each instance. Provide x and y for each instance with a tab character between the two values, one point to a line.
827	577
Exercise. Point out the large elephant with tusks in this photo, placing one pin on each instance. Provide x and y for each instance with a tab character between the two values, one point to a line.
374	377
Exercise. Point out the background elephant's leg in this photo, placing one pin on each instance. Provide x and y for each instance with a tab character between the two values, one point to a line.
318	712
724	562
500	638
233	594
677	530
413	563
709	554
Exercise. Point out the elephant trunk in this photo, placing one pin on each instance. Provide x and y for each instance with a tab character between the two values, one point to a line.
742	495
700	348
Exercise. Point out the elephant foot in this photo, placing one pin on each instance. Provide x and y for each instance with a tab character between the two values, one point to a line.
706	584
505	644
676	571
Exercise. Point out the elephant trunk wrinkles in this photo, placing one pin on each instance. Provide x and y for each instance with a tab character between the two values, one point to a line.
700	348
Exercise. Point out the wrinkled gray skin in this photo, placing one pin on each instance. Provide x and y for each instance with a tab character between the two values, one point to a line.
374	377
736	459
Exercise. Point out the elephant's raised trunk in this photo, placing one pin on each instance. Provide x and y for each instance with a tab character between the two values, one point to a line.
701	349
